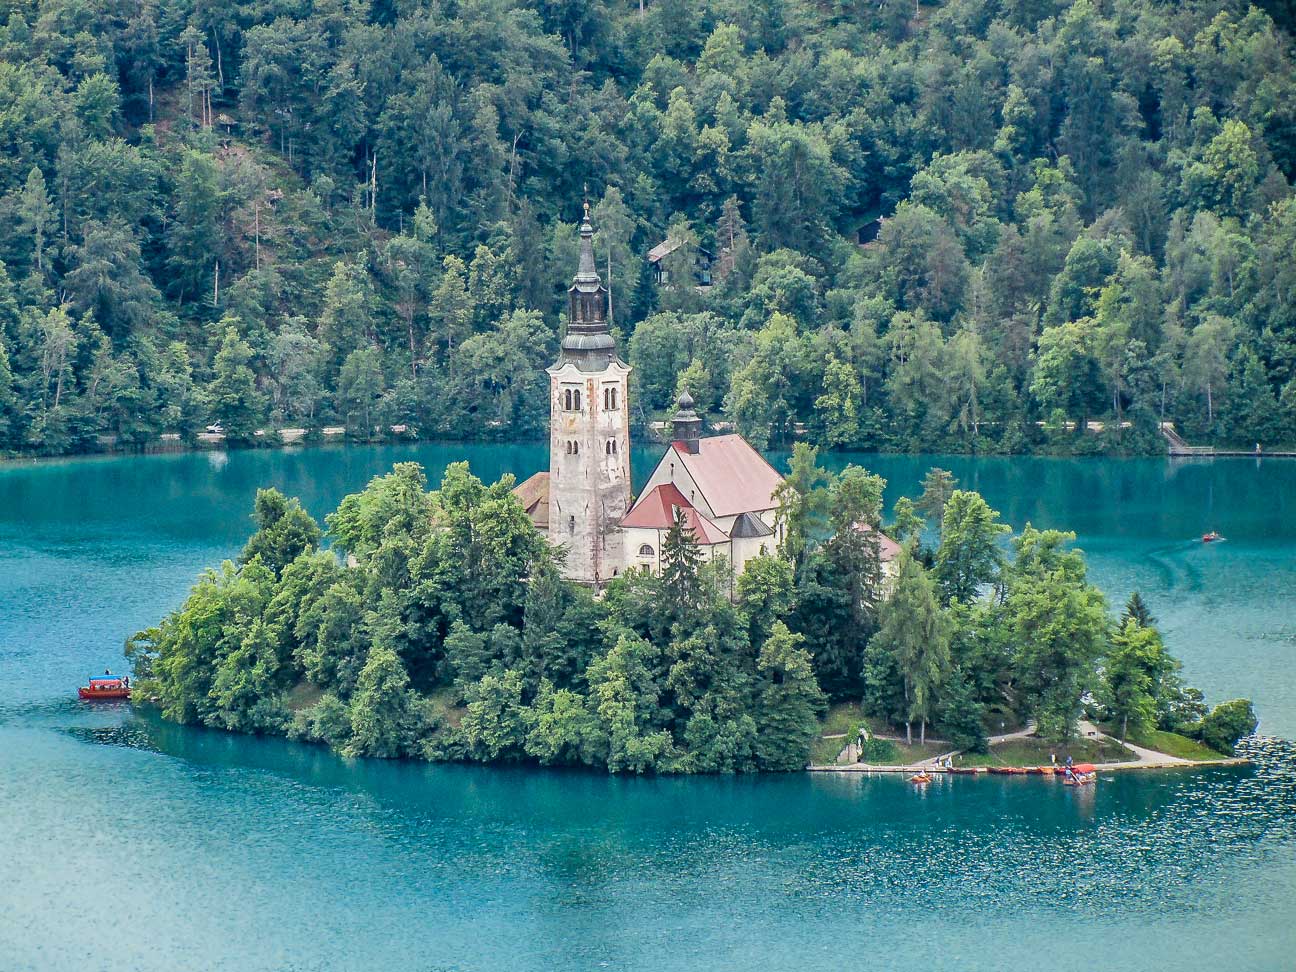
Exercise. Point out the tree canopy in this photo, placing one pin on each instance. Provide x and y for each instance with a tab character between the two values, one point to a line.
960	226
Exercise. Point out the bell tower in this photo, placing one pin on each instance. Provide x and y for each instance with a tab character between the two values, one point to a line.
589	431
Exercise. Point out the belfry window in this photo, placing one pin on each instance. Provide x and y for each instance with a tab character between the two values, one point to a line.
573	448
611	447
571	400
609	399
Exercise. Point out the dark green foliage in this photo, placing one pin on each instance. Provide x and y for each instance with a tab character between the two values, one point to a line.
284	531
790	702
449	633
337	217
1226	724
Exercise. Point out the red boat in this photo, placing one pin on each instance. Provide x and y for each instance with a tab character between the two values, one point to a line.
1211	537
1082	774
106	687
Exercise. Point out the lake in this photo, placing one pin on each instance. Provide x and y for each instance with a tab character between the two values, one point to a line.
133	844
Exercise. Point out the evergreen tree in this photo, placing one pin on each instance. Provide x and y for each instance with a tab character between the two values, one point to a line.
380	712
915	631
790	702
680	562
233	400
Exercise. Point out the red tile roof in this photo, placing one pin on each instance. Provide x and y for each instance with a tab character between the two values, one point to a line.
888	549
533	494
732	476
655	510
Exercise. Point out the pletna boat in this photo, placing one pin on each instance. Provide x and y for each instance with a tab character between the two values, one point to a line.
105	688
1081	774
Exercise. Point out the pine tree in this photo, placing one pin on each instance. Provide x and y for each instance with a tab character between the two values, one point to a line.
681	561
1137	609
790	702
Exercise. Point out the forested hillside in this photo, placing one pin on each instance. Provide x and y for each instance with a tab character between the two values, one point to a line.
278	213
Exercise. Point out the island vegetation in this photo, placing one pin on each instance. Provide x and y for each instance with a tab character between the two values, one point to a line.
436	625
265	215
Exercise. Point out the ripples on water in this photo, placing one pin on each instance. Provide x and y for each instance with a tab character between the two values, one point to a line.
238	854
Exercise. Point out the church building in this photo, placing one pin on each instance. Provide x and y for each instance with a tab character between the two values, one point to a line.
721	487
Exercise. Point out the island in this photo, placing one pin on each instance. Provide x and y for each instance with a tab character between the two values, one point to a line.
437	625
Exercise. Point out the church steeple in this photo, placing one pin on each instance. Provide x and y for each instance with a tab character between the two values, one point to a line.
588	341
589	431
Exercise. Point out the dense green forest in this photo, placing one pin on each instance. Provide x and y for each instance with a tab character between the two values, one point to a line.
279	214
450	634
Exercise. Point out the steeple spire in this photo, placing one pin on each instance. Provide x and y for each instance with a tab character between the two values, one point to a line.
586	271
587	336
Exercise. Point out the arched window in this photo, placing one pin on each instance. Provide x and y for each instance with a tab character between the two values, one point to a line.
571	524
573	448
575	399
609	399
571	399
568	445
611	447
646	550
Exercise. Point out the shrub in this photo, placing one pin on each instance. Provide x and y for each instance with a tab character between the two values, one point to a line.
1227	723
877	750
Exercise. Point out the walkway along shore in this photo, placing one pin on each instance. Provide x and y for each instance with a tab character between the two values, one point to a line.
1147	759
1167	762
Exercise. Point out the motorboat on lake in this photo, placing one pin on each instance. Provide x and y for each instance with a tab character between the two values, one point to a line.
1211	537
106	687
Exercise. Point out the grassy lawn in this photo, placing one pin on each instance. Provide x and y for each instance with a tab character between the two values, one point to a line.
1173	744
1035	752
842	717
845	716
824	751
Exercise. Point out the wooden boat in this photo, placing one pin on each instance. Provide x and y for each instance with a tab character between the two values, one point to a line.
920	779
964	770
1082	774
105	688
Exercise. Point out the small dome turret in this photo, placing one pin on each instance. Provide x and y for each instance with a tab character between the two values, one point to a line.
686	426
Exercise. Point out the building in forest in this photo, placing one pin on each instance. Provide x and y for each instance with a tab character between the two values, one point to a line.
720	488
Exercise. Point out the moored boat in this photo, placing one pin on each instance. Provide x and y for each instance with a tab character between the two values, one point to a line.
106	688
1081	774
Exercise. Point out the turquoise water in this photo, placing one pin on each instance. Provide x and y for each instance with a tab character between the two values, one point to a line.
131	844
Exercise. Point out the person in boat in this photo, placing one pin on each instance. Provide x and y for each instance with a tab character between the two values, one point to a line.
1069	763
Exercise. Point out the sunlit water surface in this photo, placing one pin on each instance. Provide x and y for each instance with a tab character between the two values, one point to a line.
131	844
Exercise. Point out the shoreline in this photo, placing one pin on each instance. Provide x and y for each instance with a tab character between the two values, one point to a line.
1168	763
